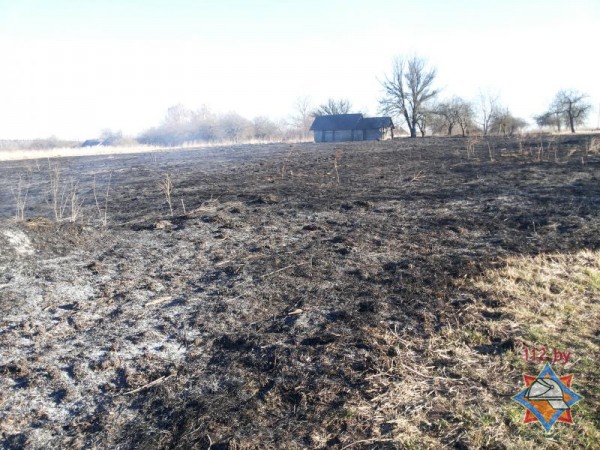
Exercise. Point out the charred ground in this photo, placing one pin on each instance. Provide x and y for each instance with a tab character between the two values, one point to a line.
303	300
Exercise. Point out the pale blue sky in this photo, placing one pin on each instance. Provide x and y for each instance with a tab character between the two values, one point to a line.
71	68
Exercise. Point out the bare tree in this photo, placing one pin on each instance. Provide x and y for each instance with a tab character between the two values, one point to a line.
447	113
450	113
341	106
506	124
424	121
489	108
176	128
556	110
408	89
265	128
437	124
178	115
302	117
465	116
203	124
234	127
573	106
548	119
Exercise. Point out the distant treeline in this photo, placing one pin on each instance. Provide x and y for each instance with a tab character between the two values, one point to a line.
35	144
428	115
185	126
182	125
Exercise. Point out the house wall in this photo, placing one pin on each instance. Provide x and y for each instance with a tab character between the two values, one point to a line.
348	135
372	135
343	135
331	136
382	134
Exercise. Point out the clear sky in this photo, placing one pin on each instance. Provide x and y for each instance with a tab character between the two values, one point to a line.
73	67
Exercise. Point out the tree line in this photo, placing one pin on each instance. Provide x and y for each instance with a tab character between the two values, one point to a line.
182	125
409	93
410	96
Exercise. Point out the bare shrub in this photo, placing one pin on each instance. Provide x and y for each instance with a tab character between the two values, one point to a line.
102	212
541	149
75	202
166	186
552	143
472	141
491	147
64	197
521	138
20	195
336	160
593	145
58	197
284	165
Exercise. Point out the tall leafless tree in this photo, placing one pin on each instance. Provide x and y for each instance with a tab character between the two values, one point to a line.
302	117
556	110
489	109
573	106
447	114
450	113
333	106
424	122
408	89
465	116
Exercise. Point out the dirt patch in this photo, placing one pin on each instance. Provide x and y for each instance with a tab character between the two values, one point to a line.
279	306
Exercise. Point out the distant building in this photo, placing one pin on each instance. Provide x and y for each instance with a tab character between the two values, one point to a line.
92	143
352	127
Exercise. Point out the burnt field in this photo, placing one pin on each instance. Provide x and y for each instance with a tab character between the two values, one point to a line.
300	296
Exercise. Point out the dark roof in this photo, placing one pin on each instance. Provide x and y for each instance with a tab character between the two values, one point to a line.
91	143
336	122
369	123
350	122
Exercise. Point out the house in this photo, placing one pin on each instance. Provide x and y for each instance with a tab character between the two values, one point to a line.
352	127
91	143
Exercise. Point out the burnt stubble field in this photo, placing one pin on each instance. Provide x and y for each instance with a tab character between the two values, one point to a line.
310	296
